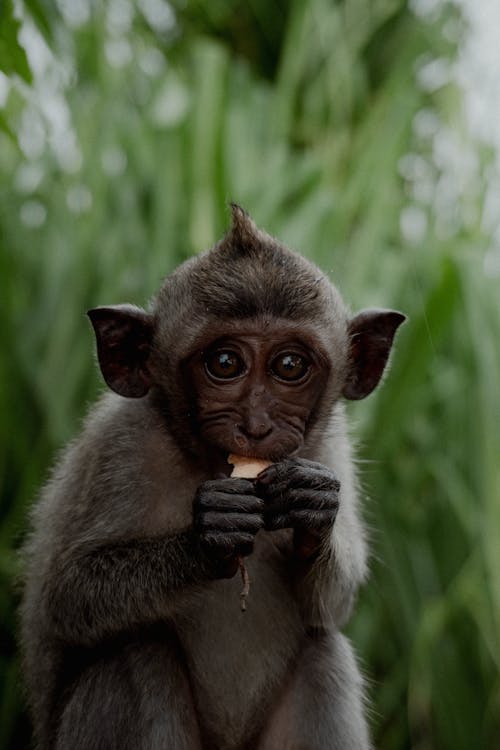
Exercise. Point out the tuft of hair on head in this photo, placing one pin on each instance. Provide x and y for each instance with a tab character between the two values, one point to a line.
244	234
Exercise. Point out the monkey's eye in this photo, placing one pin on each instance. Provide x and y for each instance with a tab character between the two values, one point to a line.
290	366
224	364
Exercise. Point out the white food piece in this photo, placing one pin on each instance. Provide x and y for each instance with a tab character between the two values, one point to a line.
245	467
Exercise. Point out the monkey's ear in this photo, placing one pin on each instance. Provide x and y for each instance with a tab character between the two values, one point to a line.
371	334
123	334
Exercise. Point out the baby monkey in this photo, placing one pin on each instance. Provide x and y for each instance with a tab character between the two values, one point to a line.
132	634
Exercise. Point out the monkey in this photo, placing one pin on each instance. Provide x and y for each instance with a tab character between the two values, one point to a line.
131	630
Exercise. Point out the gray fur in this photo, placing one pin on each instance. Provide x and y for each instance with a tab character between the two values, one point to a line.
129	639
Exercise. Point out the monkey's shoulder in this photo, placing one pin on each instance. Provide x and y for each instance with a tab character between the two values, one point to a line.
122	475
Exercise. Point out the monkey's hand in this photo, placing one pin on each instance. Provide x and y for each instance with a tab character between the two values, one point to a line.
227	514
302	495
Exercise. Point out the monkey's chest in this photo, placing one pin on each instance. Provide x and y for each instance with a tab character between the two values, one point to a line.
238	660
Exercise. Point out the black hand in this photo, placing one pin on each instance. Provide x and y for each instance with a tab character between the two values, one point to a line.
299	494
227	515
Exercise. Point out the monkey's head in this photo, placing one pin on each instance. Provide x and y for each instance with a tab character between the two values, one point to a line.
247	347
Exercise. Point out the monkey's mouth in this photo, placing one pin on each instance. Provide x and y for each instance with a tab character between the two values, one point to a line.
263	450
274	447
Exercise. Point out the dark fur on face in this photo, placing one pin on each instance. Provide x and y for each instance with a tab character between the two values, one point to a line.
256	412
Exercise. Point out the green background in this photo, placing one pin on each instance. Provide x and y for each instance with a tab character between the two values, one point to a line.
121	144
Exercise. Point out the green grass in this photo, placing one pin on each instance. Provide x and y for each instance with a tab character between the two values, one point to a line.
308	135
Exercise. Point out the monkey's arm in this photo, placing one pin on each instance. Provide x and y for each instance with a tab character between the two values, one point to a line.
328	552
96	590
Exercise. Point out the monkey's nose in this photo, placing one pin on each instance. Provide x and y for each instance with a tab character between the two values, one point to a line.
256	427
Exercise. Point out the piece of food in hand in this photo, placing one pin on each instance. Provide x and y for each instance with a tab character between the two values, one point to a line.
245	467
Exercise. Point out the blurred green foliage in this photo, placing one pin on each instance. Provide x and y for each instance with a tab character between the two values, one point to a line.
143	120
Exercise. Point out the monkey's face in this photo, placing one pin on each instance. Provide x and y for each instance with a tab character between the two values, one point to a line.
248	346
256	387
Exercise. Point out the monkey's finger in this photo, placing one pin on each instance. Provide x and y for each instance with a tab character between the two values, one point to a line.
229	503
304	499
274	473
314	479
327	486
229	485
278	479
317	519
239	522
